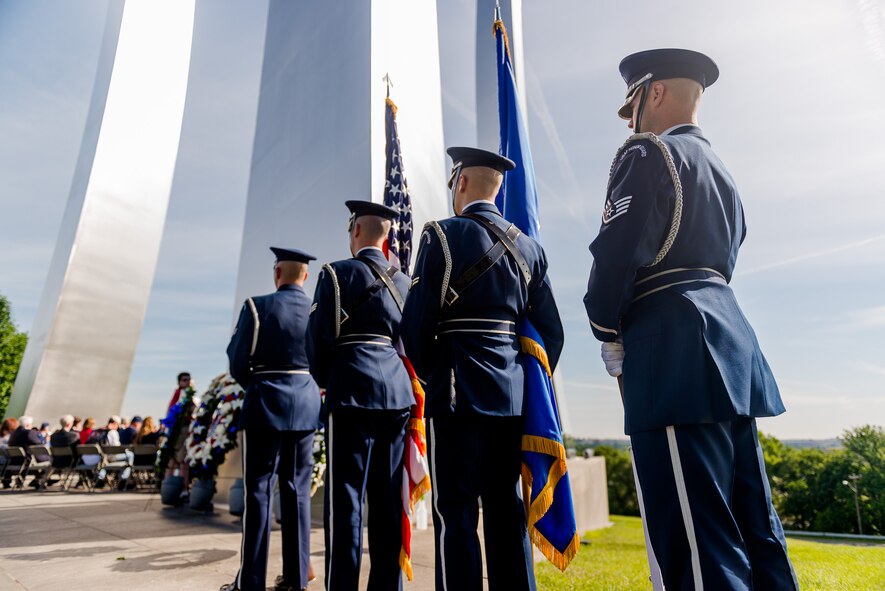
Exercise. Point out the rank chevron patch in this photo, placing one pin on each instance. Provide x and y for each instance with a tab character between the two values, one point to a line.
615	209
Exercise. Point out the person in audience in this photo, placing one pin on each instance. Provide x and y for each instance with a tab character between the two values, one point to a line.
44	433
78	424
6	429
110	435
86	431
65	437
128	433
25	435
148	433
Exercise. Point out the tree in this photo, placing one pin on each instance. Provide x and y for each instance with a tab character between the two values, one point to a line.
866	447
622	498
12	347
807	485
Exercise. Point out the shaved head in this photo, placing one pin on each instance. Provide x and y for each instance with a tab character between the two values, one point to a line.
288	272
476	183
374	227
369	230
670	102
483	182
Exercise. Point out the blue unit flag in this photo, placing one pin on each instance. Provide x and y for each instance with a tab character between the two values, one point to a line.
546	489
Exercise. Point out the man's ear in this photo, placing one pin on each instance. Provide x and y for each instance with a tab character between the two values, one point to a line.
356	229
658	90
462	183
306	274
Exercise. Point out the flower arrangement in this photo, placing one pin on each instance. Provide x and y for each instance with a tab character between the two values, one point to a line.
319	461
175	425
213	431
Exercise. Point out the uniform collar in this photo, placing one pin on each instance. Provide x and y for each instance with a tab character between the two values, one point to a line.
290	287
481	205
684	129
371	252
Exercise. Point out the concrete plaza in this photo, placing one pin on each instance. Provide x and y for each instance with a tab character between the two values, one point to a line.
111	541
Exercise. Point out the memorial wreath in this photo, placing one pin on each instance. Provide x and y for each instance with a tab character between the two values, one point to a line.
175	426
213	431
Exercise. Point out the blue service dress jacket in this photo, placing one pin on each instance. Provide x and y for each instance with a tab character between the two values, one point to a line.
660	282
467	351
354	325
267	357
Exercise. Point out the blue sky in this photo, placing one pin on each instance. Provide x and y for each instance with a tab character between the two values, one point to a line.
796	115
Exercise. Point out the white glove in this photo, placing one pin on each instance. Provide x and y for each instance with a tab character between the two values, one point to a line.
613	357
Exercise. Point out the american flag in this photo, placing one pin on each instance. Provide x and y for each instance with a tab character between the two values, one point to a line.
416	473
396	195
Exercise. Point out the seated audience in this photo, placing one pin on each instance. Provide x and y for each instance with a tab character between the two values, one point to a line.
25	435
128	434
6	429
65	437
44	433
86	431
148	434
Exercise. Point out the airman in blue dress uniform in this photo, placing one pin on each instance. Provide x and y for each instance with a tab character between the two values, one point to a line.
353	329
694	377
279	417
475	276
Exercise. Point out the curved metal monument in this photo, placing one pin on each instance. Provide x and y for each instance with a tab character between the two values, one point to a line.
319	138
83	340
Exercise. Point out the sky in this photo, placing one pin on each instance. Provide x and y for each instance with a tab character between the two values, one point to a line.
796	116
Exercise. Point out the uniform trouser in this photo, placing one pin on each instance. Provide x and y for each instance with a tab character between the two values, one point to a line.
708	510
266	455
473	457
364	460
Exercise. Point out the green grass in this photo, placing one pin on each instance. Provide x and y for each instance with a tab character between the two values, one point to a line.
616	561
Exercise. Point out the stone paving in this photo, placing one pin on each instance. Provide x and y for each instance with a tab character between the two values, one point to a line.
112	541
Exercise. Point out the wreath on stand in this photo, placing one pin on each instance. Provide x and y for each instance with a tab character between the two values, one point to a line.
318	473
175	425
213	432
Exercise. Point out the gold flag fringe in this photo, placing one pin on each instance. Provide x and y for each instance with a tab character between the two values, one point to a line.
421	489
534	348
536	509
405	563
392	105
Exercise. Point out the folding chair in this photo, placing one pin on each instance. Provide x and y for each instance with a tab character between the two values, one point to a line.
39	465
117	463
16	463
62	462
88	463
144	464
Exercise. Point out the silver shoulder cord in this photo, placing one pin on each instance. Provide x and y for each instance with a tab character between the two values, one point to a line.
257	323
447	255
677	185
328	267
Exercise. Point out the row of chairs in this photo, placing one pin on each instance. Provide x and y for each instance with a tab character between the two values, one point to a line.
84	462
